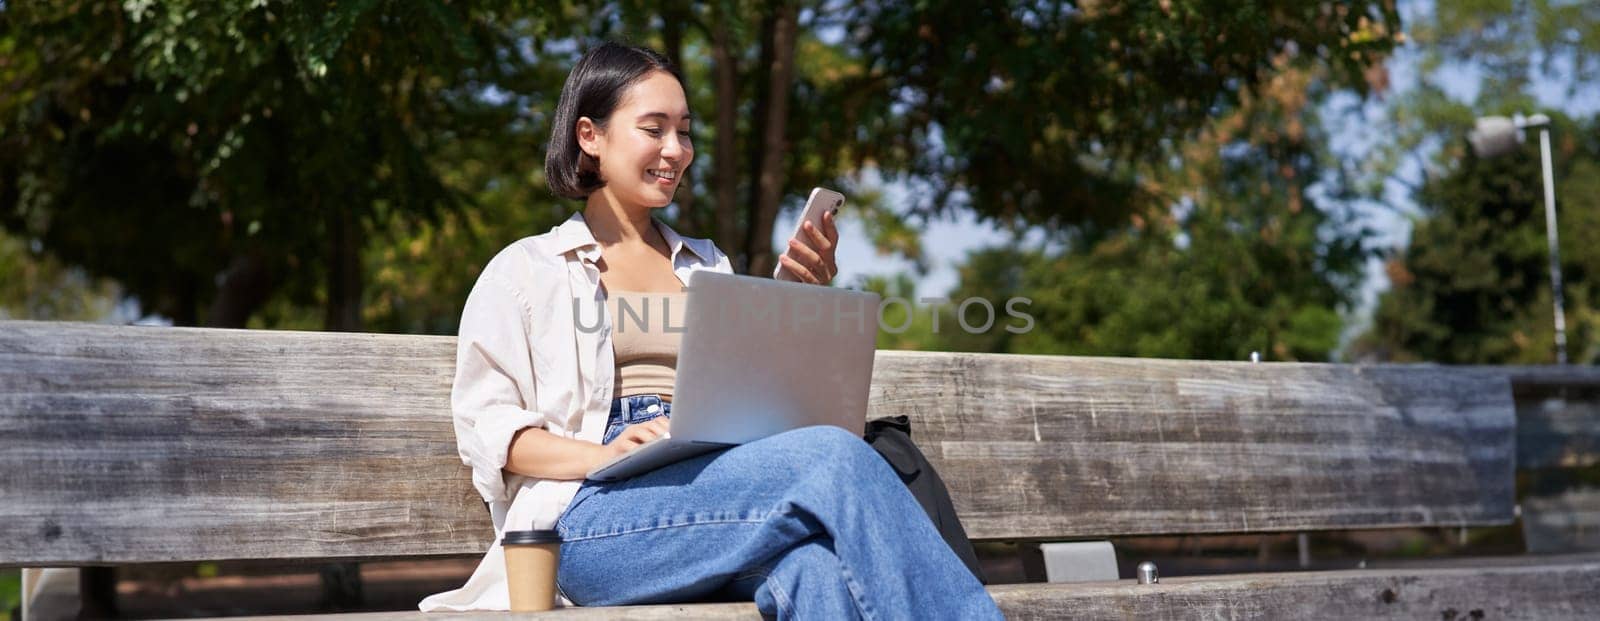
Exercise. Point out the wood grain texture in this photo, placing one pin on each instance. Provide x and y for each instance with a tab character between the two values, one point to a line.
127	444
1035	446
130	444
1564	591
1556	591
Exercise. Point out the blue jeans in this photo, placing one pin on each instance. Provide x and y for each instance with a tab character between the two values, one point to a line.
811	524
634	410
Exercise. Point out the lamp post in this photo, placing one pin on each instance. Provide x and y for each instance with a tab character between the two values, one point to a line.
1497	135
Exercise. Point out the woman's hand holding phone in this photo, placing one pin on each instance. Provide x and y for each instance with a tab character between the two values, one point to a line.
812	260
810	255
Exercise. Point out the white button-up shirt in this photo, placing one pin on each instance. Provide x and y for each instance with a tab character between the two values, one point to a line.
534	350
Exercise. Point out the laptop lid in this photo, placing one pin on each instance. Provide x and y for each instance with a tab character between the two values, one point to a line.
761	356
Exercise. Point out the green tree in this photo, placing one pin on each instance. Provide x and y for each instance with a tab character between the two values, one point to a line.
1241	259
263	153
1044	112
209	155
1024	112
1473	285
36	286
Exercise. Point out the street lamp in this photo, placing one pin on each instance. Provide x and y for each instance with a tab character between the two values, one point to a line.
1497	135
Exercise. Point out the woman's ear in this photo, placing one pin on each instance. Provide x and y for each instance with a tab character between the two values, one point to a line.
588	136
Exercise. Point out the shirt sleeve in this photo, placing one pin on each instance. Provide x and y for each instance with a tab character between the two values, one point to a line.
494	385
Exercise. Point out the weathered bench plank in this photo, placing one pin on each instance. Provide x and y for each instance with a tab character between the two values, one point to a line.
1558	416
1558	590
1096	446
127	444
1558	438
153	444
1564	522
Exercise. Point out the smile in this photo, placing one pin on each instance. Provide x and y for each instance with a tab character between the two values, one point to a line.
668	175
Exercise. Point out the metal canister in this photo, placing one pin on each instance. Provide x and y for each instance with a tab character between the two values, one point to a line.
1147	573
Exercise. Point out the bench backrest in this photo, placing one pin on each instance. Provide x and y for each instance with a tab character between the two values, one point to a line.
1558	447
128	444
1558	415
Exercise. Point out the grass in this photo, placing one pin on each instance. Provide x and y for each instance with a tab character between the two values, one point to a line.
10	592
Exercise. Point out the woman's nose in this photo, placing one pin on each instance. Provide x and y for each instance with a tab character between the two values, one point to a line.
673	147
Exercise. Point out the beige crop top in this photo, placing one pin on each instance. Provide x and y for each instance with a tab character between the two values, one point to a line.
646	329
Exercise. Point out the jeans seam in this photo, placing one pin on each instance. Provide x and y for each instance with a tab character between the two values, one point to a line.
867	613
645	529
779	597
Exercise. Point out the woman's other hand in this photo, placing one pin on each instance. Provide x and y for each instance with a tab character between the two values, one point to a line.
635	435
810	254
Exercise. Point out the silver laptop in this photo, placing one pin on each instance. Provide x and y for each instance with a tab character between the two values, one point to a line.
760	357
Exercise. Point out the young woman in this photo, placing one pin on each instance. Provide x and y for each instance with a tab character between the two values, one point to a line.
811	524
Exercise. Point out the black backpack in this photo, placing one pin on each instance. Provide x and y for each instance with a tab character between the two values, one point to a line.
891	437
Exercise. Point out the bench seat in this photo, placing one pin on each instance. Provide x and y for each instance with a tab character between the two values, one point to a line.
1491	589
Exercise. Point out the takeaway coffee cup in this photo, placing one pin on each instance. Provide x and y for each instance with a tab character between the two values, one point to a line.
531	560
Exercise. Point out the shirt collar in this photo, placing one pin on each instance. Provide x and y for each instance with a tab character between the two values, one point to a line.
678	243
574	234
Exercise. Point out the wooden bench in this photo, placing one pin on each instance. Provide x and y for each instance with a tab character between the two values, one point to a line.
1558	456
141	445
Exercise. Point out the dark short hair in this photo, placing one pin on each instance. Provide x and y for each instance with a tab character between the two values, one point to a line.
593	89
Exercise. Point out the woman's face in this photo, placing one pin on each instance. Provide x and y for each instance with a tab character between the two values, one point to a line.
645	146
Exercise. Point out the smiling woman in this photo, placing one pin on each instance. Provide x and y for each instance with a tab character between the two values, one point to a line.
656	145
809	523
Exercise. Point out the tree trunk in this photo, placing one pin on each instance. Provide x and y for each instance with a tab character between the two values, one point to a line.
674	15
185	309
755	135
769	175
729	235
245	287
345	240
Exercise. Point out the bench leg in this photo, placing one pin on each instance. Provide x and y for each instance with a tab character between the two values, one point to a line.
341	586
99	589
1075	561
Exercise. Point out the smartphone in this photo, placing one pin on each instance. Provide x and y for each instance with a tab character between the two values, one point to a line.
822	200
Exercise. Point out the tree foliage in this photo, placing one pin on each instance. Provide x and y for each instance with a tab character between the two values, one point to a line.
1472	285
208	154
1245	259
1042	111
38	287
277	160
